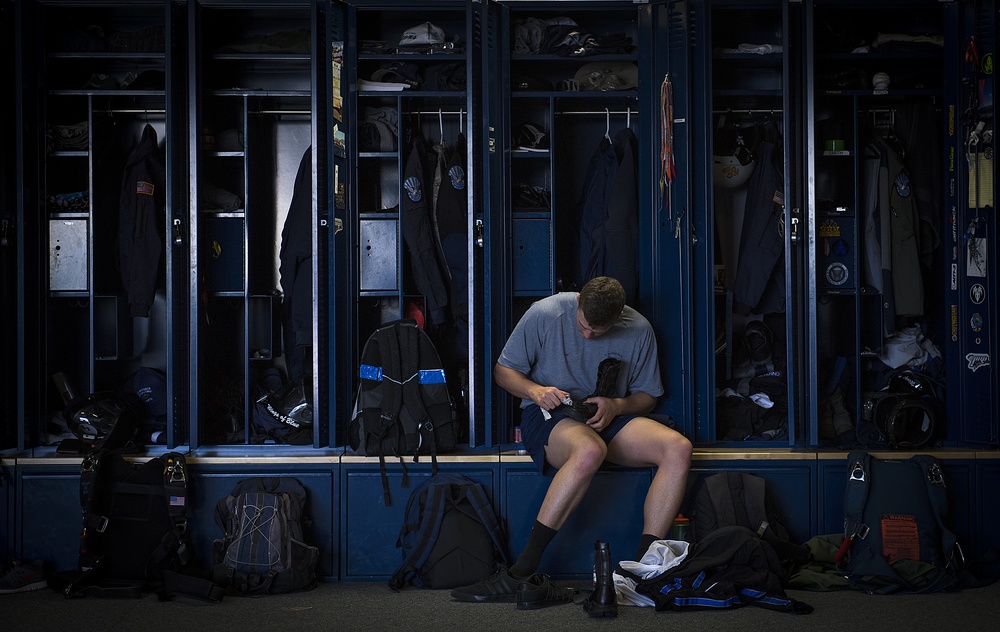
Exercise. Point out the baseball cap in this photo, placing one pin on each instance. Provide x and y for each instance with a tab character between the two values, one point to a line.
425	34
607	76
398	72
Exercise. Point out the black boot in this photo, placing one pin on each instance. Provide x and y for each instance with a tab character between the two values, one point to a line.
603	601
607	384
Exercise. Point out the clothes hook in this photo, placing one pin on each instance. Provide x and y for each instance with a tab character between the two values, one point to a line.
607	124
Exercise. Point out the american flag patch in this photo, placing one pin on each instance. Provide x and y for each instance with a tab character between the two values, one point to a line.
143	188
176	501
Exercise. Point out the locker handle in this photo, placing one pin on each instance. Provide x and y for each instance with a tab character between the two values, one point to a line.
178	237
480	232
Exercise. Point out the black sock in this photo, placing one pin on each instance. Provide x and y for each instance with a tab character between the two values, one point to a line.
531	556
644	542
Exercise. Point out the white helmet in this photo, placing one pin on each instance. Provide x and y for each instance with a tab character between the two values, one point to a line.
732	160
730	173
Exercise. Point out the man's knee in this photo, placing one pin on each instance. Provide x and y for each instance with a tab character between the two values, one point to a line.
677	450
590	455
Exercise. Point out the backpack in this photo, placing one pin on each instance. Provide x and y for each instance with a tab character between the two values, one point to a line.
740	499
403	405
895	538
262	550
134	535
450	537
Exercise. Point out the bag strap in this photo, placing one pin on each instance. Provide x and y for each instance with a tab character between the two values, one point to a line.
388	345
754	500
175	584
412	393
429	528
937	491
392	400
855	499
477	498
176	542
94	523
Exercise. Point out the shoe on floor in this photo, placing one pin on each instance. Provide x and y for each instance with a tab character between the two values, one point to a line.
22	577
538	591
501	587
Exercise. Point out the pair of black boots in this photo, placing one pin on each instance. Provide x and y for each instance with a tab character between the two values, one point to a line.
603	602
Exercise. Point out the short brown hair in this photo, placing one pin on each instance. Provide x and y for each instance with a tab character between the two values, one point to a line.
602	300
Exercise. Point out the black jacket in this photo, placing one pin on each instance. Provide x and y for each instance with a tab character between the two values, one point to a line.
418	232
295	271
141	212
729	568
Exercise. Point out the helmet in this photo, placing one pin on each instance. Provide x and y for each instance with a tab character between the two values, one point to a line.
729	173
105	419
910	423
732	160
903	420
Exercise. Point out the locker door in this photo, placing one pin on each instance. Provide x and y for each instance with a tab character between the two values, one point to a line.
746	221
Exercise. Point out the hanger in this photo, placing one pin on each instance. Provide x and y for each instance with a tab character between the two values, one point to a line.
440	125
607	124
628	117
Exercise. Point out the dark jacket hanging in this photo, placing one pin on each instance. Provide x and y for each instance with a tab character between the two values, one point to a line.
621	228
593	210
760	272
452	221
609	208
141	212
295	273
419	236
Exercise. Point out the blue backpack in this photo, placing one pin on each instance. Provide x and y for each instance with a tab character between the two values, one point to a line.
895	536
263	550
451	536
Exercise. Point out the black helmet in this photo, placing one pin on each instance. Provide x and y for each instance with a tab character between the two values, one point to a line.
105	419
910	423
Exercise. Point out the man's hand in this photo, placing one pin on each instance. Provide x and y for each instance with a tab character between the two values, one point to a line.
547	397
607	409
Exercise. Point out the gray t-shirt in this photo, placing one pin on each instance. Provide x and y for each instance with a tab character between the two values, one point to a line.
548	348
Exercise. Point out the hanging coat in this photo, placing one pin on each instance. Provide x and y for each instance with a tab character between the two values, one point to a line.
759	285
140	215
593	210
418	233
295	274
904	237
608	212
452	212
621	228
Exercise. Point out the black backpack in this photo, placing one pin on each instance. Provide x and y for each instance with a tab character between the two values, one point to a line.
403	406
740	499
134	535
450	537
895	537
263	550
